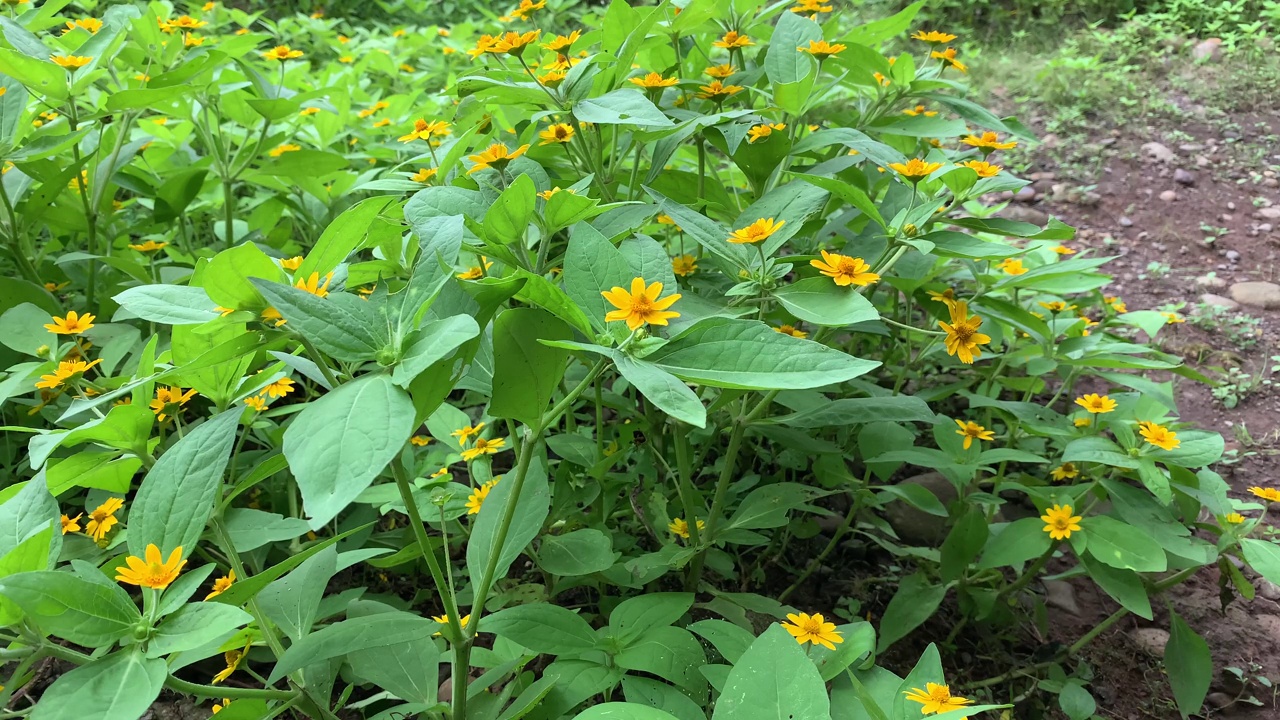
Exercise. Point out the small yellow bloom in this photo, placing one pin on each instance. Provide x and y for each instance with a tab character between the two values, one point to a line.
963	338
680	527
1268	494
641	305
70	524
169	401
1063	250
919	110
382	123
552	78
821	49
279	388
71	62
1012	266
733	39
67	371
483	446
103	518
654	80
154	572
1065	471
423	175
420	440
558	133
475	273
881	79
1096	404
984	169
562	43
792	331
1233	518
190	40
496	156
948	58
971	431
990	141
526	7
346	59
514	43
757	231
845	270
933	37
282	53
424	130
684	265
915	169
811	7
718	91
313	286
465	433
291	264
477	497
1159	435
93	25
814	629
149	246
233	659
255	403
444	620
936	698
1060	523
1056	306
221	585
1082	421
720	72
219	707
279	150
73	324
760	132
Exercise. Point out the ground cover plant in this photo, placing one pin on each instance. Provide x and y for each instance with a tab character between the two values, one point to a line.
570	363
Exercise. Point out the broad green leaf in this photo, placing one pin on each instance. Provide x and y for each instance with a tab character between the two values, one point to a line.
250	529
434	342
28	510
194	625
227	277
820	301
565	208
580	552
531	510
543	628
767	506
176	497
1076	702
1014	543
661	696
963	544
93	614
245	588
526	373
92	469
508	218
1263	556
749	355
591	266
543	293
707	232
667	392
361	633
637	615
120	686
1098	450
1123	546
625	106
773	679
672	654
914	603
338	444
218	381
852	411
783	62
1190	666
32	555
728	639
40	76
1124	586
168	304
342	326
623	711
293	601
859	642
407	670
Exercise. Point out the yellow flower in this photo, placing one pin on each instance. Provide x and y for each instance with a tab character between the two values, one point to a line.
219	707
1172	318
291	264
919	110
526	7
757	231
1159	435
915	169
984	169
465	433
792	331
814	629
973	431
1096	404
155	572
279	388
1062	249
553	78
1268	494
169	401
442	32
641	305
382	123
946	297
103	518
477	497
1060	523
221	585
881	79
148	246
444	620
440	473
475	273
420	440
684	265
1116	304
1082	421
763	131
514	43
233	659
279	150
654	80
73	324
1012	266
423	175
989	140
496	156
720	72
407	68
733	39
313	286
933	37
71	62
93	25
845	270
562	43
718	91
70	524
680	526
346	59
963	338
1056	306
811	7
1065	471
558	133
665	219
821	49
189	40
255	403
184	22
936	698
948	58
67	371
282	53
483	446
424	130
1233	518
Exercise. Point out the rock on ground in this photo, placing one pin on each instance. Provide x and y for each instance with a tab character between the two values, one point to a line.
1151	640
917	526
1257	294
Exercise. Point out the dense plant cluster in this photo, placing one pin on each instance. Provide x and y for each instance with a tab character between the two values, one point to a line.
568	364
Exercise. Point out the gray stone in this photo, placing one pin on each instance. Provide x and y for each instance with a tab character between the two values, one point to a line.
1210	281
1231	206
1268	213
1022	213
1168	196
1184	177
1125	222
1233	256
1157	152
1219	700
1219	301
918	527
1268	590
1258	294
1190	147
1210	49
1151	640
1060	594
1264	227
1025	194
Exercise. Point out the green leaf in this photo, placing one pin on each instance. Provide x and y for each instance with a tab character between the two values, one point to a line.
749	355
1197	448
305	164
773	679
338	444
783	62
875	32
508	218
1263	556
227	277
194	625
361	633
949	243
1076	702
293	601
168	304
531	510
853	411
30	556
180	189
120	686
40	76
666	391
250	529
728	639
28	511
670	653
543	628
1121	545
851	194
348	232
87	613
176	497
635	616
1124	586
963	543
342	326
1190	665
1099	450
768	506
92	469
566	208
407	670
245	588
1014	543
710	234
526	373
661	696
625	106
434	342
915	602
623	711
593	265
859	641
580	552
820	301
